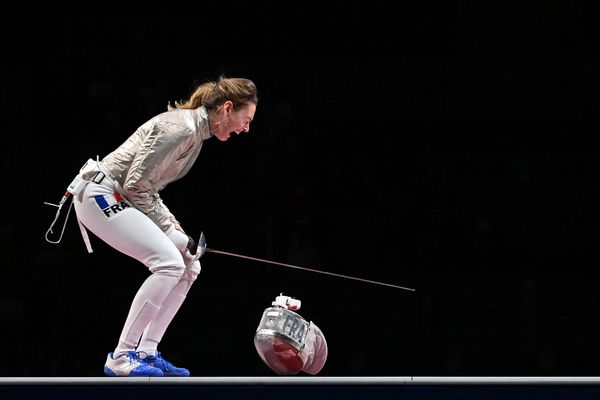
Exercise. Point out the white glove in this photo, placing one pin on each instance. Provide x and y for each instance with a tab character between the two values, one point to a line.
183	243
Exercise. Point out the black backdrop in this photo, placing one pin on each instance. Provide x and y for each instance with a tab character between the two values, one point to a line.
447	149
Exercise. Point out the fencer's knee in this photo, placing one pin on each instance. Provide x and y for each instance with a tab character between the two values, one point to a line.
168	266
166	261
191	273
169	270
174	270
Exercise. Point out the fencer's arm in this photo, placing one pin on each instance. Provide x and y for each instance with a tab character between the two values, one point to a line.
176	223
159	149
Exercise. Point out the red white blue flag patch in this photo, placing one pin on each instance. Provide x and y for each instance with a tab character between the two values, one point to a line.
111	205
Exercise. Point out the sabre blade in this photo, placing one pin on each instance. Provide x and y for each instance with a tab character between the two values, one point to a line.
308	269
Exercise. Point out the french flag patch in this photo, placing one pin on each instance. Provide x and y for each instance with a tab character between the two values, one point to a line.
111	205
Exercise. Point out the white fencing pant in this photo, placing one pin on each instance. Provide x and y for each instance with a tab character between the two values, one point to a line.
128	230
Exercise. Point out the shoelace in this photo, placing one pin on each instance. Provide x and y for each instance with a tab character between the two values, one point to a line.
134	356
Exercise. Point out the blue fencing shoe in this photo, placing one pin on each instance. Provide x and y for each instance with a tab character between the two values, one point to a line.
129	365
166	367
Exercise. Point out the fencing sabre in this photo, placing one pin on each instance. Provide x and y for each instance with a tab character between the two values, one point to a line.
199	248
225	253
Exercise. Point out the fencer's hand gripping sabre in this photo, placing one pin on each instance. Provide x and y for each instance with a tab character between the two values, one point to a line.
197	250
201	249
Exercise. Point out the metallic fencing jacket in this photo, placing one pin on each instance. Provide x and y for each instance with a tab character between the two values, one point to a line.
159	152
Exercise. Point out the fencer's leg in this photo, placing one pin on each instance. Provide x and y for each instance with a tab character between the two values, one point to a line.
145	306
155	330
134	234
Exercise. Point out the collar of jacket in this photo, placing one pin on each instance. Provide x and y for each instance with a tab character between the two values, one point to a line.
202	121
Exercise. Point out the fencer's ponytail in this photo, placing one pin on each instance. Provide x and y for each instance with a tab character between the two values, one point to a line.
212	95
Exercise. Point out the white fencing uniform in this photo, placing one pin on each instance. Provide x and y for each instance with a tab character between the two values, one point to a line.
120	204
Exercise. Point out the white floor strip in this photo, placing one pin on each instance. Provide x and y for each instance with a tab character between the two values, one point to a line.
306	380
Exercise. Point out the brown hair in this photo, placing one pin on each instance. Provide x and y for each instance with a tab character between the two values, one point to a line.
212	95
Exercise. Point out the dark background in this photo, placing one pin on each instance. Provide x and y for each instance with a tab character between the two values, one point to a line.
450	149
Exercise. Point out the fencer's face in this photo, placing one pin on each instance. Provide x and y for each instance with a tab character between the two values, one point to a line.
235	121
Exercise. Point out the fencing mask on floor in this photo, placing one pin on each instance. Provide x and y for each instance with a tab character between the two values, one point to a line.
286	342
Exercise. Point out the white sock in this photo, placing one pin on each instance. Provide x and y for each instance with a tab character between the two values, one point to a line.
145	306
156	328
